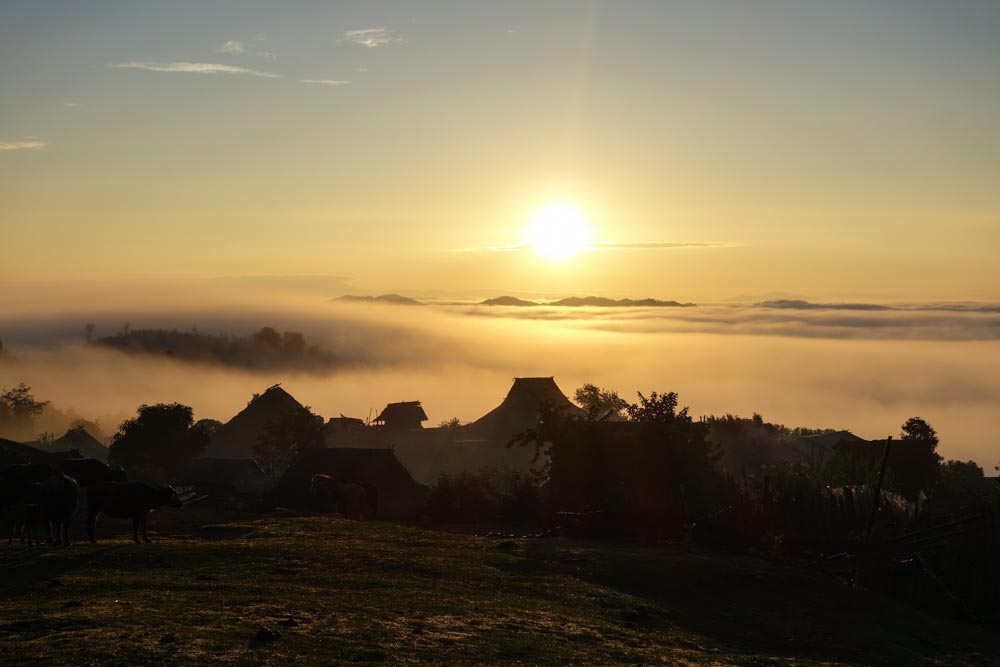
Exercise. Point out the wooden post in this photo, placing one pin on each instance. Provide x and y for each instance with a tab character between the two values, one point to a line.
878	489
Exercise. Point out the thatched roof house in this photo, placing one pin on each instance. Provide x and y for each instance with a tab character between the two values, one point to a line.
519	410
79	439
12	453
344	424
823	444
237	438
402	416
399	496
227	477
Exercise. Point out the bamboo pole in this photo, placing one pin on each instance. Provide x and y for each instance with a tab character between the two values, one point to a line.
878	489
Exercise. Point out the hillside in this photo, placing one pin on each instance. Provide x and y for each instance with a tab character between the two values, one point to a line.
339	591
587	302
391	299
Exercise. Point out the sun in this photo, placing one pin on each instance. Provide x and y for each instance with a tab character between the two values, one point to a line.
558	232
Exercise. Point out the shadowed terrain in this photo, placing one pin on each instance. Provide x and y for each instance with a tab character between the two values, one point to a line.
341	591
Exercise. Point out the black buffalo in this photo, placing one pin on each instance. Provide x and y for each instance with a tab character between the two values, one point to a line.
122	500
89	471
22	518
58	500
16	481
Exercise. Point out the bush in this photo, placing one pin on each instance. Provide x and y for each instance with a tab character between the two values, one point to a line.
491	496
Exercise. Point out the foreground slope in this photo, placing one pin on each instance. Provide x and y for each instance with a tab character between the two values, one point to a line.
347	592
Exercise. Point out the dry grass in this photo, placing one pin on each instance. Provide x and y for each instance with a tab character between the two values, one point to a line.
339	591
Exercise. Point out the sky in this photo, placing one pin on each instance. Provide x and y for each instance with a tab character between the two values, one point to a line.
231	165
835	150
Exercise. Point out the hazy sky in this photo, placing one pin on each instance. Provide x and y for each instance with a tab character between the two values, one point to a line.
832	149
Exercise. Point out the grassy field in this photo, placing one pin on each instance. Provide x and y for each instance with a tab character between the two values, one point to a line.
339	591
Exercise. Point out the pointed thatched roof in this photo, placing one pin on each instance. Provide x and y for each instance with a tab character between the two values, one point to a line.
519	411
403	415
399	496
237	438
81	440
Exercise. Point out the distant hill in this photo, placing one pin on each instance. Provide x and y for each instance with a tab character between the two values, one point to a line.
604	302
587	301
799	304
393	299
266	348
508	301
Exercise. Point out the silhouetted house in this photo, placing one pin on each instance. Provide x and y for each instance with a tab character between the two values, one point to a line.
81	440
399	496
402	416
237	438
344	424
226	478
823	445
12	453
519	410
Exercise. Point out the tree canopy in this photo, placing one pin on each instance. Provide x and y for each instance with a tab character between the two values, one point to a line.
159	442
18	411
284	438
599	403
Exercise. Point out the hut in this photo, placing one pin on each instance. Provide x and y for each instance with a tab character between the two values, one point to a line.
403	416
824	444
237	438
344	424
81	440
519	410
399	496
12	453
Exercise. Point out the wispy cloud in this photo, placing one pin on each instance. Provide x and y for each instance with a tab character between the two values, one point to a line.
72	105
369	37
193	68
643	245
232	46
23	144
268	54
494	248
326	82
606	245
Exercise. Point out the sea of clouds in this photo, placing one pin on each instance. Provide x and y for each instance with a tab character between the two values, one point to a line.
863	367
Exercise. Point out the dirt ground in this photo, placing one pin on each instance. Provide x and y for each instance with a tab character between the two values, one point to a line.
342	592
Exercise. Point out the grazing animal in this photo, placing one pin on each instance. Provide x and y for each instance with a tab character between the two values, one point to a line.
121	500
90	471
16	481
357	501
59	499
22	519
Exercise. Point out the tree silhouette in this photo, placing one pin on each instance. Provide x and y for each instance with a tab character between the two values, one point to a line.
159	442
599	403
284	438
916	428
18	410
267	337
914	462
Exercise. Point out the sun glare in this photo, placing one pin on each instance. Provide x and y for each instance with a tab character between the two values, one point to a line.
558	232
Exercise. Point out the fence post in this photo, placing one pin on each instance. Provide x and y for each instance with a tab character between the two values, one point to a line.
878	489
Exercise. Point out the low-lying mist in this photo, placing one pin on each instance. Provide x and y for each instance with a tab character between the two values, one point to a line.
864	371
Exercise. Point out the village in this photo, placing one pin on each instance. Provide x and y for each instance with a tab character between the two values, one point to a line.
540	463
